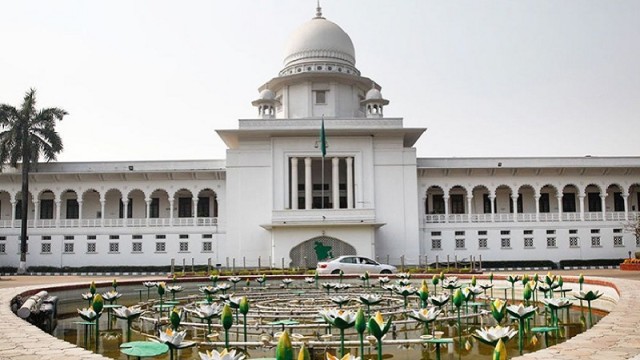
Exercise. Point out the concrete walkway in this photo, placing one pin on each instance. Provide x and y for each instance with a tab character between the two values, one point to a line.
616	336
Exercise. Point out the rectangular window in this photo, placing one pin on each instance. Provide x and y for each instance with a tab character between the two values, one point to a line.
505	243
46	209
136	237
505	232
573	242
69	237
204	206
91	237
617	231
18	209
206	246
573	231
618	202
129	209
637	241
482	232
569	202
528	232
183	236
114	247
160	247
3	248
595	241
457	204
73	210
617	241
482	243
320	97
543	203
551	232
486	203
595	203
436	244
459	233
91	248
3	238
207	236
154	208
528	243
160	237
114	237
46	248
46	237
595	231
459	243
136	247
68	248
184	207
184	246
551	242
436	233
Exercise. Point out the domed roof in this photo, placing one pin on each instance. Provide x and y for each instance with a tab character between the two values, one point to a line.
319	38
373	94
267	94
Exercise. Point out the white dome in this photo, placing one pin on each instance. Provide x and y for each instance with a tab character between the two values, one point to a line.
319	38
267	94
373	94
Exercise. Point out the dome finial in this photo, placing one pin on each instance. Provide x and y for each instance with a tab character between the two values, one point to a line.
318	11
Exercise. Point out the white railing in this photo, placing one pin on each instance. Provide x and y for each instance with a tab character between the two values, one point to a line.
134	222
618	216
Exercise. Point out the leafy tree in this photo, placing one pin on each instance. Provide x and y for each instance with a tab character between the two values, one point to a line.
26	135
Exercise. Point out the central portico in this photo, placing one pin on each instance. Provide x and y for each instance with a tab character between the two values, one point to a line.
291	196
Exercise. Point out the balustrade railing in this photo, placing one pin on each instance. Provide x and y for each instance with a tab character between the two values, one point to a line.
132	222
530	217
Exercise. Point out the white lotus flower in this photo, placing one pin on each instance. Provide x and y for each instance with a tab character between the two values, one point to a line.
287	280
520	311
439	300
206	311
150	284
309	280
125	312
340	299
87	296
235	279
383	279
346	356
403	275
224	286
173	337
208	290
475	290
87	314
425	315
223	355
111	295
493	334
557	303
174	288
370	299
341	319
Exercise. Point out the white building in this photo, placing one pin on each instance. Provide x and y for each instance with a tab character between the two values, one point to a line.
276	199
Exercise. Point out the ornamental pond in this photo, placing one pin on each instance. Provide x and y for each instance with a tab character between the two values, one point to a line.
307	309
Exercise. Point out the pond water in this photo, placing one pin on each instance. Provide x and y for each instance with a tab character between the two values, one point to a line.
301	303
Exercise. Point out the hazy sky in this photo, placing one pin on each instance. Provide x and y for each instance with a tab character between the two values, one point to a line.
152	80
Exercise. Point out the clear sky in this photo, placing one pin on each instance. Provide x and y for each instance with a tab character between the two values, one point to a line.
152	80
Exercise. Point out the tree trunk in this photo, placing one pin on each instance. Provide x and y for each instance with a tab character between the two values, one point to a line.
22	268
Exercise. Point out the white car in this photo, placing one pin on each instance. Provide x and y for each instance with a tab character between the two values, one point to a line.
352	264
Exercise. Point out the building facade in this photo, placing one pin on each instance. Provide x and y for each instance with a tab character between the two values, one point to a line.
284	197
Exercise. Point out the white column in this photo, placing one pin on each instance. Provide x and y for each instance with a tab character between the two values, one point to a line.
604	207
79	212
625	198
36	213
13	212
57	203
335	182
581	199
125	207
446	208
148	202
171	211
350	183
102	203
194	202
294	183
537	200
469	201
308	200
514	200
559	198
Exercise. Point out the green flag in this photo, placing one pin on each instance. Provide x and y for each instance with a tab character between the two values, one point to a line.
323	140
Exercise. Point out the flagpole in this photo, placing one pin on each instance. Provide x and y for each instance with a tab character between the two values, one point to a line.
323	151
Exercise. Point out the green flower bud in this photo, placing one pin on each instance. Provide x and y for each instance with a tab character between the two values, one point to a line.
114	284
304	353
581	279
527	292
92	288
175	319
244	305
226	319
458	298
161	288
98	303
435	280
473	280
284	351
361	322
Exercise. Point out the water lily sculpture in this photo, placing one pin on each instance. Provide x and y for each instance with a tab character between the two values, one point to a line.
378	328
498	310
458	298
111	296
403	275
451	284
340	300
284	350
342	319
224	287
368	300
347	356
87	314
128	314
287	282
235	280
327	286
365	279
423	293
172	337
555	305
521	313
426	316
244	310
262	280
513	279
405	292
581	281
92	288
223	355
310	280
226	319
173	289
214	279
491	335
589	296
207	312
97	305
208	291
88	296
149	285
439	300
161	290
383	279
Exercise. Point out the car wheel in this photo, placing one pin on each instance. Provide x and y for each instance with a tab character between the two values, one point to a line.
336	272
385	271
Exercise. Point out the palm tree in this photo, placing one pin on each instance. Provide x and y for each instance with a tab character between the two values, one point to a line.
27	134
